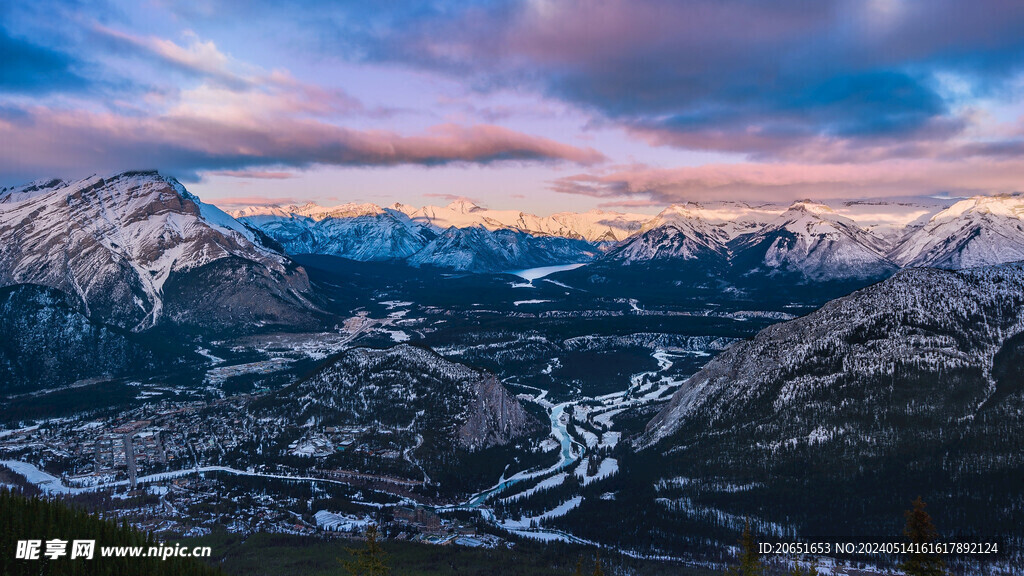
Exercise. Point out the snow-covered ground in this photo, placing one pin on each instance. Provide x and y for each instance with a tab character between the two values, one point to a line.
555	480
528	521
337	522
51	484
608	467
397	335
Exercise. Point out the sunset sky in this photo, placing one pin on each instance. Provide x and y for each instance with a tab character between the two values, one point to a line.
541	106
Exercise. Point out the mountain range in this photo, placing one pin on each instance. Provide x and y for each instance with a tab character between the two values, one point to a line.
810	241
138	251
461	236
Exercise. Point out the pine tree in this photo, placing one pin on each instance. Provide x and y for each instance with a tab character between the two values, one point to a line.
579	567
598	571
750	561
369	560
921	531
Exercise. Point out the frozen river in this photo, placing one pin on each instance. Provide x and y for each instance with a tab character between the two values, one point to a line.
531	274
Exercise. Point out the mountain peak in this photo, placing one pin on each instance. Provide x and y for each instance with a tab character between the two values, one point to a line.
687	210
811	206
140	243
1009	205
354	209
463	205
978	231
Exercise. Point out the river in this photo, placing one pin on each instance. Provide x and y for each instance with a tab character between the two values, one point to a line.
531	274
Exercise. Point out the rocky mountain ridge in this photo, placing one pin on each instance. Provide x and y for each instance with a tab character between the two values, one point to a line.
138	249
910	387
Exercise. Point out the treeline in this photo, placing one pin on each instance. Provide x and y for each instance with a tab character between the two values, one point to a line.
24	519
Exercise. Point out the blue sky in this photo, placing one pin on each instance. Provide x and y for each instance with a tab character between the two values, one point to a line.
542	106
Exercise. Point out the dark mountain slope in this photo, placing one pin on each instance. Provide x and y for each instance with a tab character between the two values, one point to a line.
46	341
909	387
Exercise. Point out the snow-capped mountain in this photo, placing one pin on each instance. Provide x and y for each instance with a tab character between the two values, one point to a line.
677	233
979	231
592	226
807	240
363	232
811	240
733	218
137	249
477	249
890	218
473	240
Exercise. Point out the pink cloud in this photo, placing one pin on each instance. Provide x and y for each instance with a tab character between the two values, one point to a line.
199	57
243	201
254	174
204	135
790	181
451	197
631	204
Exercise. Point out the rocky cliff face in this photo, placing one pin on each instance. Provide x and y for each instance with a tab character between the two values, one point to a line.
431	407
493	418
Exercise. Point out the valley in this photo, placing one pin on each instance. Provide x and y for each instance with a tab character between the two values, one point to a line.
210	428
642	387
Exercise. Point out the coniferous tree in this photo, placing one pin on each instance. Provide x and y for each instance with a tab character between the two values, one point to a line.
920	531
23	518
598	571
750	561
370	560
579	567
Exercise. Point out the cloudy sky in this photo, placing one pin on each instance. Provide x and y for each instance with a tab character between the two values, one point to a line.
539	105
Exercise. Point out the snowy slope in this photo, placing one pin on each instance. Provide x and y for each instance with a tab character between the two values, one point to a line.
677	233
363	232
907	318
979	231
734	218
477	249
594	225
473	239
16	194
116	242
810	239
449	405
910	387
